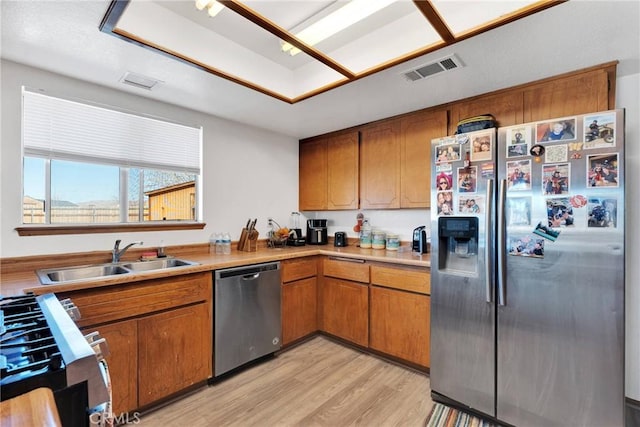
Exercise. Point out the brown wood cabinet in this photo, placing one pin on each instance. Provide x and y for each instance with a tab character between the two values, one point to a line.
346	310
380	165
329	168
400	324
394	161
578	94
299	299
506	108
345	299
122	339
174	352
416	132
159	334
312	189
343	171
400	313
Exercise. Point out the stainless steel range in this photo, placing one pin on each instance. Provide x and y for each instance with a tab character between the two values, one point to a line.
41	346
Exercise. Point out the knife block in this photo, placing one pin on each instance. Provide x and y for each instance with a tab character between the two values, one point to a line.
248	241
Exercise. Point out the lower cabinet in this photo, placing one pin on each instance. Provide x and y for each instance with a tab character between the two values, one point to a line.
400	324
173	352
299	309
400	312
385	307
159	334
346	310
122	339
345	299
299	299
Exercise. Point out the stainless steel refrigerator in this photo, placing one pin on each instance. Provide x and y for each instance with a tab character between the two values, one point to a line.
527	271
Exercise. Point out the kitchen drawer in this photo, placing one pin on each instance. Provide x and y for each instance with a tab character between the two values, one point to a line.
404	278
299	268
346	268
107	304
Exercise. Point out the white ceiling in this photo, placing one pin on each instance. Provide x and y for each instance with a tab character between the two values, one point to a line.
63	37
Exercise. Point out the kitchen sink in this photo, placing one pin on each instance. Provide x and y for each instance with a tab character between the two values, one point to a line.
60	275
157	264
52	276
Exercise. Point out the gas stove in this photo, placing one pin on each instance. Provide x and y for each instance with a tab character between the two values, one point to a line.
41	346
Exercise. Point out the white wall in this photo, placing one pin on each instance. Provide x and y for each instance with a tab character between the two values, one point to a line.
397	221
247	171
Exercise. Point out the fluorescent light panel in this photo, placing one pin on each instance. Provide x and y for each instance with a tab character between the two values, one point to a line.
213	7
351	13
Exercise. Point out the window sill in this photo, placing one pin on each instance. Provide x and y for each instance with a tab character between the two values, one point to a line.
48	230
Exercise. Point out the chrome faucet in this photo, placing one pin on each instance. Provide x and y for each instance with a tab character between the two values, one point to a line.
117	252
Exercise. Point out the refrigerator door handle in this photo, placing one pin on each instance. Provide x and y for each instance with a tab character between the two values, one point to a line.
502	250
488	244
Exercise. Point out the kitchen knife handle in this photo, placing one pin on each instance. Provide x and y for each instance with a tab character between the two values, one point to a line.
502	247
488	259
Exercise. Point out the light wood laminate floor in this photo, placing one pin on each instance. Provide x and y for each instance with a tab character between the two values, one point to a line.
318	383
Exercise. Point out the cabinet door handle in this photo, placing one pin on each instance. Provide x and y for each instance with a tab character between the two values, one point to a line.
339	258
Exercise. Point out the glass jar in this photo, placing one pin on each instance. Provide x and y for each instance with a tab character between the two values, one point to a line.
378	239
393	242
365	235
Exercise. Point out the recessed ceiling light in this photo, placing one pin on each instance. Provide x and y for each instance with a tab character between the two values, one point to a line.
139	81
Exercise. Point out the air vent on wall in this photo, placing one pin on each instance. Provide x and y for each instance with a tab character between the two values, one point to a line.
139	81
451	62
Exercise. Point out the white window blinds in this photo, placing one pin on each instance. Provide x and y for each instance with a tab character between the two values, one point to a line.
61	129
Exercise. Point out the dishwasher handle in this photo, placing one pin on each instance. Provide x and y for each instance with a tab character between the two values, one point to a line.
250	272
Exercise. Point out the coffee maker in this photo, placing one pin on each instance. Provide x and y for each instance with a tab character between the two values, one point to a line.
317	232
420	243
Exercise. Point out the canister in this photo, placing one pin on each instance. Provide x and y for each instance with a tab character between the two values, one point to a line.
393	242
365	235
378	239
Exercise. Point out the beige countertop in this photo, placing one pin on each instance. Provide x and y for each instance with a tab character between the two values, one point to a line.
27	281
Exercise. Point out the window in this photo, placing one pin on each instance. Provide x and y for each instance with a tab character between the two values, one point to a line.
85	164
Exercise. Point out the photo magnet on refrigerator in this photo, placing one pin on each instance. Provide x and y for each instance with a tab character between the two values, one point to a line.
546	232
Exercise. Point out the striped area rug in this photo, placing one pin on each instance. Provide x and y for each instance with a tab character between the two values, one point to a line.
444	416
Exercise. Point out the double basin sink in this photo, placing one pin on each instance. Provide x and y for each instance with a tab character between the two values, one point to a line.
54	276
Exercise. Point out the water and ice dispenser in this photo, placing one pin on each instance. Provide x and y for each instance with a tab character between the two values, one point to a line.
458	245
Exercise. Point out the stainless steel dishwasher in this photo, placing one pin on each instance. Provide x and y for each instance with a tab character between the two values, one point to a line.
247	315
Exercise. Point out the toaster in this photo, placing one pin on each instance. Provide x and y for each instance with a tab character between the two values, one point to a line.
420	243
340	239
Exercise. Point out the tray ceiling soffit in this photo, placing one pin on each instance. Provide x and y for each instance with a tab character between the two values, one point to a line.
295	49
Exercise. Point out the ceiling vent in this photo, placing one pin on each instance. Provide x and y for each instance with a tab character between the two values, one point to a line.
139	81
451	62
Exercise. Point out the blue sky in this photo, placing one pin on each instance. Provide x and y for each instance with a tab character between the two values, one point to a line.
74	182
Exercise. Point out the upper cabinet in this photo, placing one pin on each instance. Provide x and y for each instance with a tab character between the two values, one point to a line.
312	188
391	169
506	108
395	160
416	132
329	172
342	171
579	94
380	165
